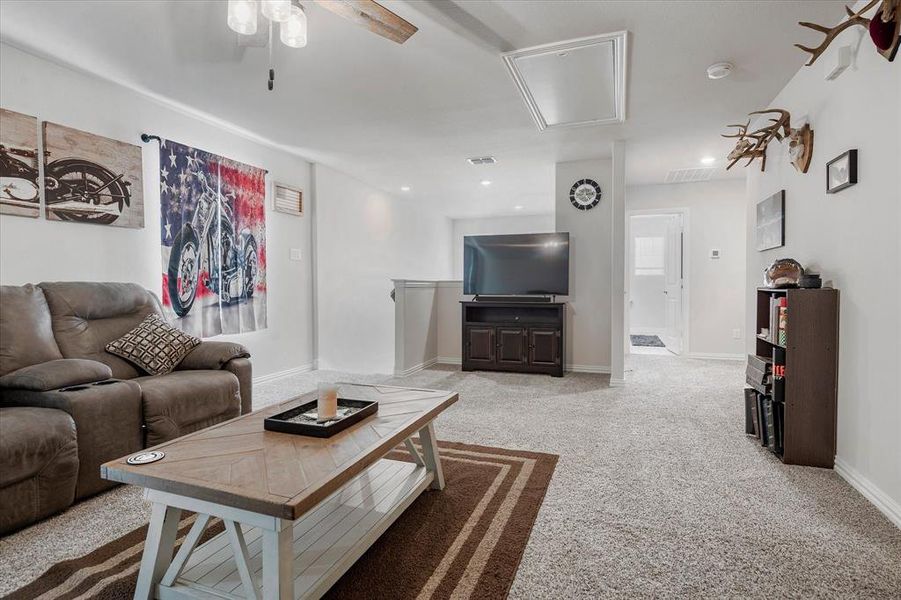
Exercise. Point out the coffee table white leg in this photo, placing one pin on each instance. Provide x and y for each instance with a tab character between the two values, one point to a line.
430	455
158	549
278	561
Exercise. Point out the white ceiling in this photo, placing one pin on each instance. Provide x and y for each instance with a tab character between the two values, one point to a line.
395	115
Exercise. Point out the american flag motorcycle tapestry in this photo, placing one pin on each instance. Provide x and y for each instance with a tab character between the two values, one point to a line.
213	239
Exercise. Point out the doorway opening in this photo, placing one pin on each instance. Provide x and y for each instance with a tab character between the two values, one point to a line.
656	282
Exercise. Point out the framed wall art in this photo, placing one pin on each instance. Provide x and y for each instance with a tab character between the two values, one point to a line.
841	172
92	179
19	184
771	222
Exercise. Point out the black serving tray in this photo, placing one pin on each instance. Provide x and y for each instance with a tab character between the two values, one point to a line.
282	423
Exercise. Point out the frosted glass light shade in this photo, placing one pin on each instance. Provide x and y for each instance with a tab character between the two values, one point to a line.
276	10
242	16
293	32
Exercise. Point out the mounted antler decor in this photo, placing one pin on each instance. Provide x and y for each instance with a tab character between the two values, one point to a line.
753	145
884	28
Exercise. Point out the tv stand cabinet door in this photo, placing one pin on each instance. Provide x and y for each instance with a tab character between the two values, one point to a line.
511	346
544	347
479	346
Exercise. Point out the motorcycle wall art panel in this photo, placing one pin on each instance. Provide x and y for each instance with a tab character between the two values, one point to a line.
92	179
19	187
213	238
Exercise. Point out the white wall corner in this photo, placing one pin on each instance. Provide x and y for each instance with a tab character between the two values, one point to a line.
886	505
618	264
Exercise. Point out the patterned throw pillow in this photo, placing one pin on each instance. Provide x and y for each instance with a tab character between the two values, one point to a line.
154	345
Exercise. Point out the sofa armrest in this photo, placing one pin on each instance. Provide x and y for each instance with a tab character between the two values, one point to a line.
212	356
108	418
55	374
243	370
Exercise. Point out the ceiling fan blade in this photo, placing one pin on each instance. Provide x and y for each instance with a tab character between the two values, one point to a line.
373	16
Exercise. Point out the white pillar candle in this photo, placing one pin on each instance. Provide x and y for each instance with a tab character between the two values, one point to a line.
327	403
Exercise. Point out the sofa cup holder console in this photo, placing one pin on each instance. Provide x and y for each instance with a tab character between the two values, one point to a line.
84	386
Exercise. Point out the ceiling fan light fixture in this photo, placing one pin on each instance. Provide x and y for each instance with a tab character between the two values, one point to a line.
293	31
242	16
277	11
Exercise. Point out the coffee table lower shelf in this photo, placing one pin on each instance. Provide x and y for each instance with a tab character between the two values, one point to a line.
327	540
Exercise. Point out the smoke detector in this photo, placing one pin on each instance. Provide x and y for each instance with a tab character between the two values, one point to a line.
481	160
719	70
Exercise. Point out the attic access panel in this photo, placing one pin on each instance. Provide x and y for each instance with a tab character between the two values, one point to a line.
573	83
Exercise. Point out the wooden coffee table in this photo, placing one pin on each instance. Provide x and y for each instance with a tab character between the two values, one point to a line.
298	511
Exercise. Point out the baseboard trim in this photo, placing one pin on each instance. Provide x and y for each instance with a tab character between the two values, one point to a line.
715	356
417	368
286	373
617	382
449	360
603	370
879	499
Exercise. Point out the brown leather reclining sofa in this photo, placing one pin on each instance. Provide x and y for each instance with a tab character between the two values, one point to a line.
86	406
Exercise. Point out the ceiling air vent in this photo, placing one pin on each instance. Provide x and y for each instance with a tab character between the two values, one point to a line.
481	160
287	199
690	175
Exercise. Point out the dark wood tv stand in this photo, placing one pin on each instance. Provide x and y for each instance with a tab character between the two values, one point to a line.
523	337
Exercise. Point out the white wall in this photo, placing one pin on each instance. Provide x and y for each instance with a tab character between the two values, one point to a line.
366	238
34	250
415	325
588	309
716	287
543	223
647	308
450	326
853	238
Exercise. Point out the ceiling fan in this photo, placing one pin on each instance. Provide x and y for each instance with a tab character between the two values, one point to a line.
292	20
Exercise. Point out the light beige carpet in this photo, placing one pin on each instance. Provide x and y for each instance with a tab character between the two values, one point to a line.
657	492
462	542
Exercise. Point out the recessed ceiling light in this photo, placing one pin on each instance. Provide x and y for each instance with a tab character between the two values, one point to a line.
486	182
719	70
405	188
517	207
708	160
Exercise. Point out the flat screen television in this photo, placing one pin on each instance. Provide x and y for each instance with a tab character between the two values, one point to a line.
530	264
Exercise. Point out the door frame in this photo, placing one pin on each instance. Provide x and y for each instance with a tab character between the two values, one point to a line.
686	270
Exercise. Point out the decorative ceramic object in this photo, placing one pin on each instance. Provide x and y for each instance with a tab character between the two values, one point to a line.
783	273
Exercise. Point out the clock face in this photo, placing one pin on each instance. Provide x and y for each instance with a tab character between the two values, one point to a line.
585	194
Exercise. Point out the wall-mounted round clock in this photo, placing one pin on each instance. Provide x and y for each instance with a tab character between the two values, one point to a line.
585	194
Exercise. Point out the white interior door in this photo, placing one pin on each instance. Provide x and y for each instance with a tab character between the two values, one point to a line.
672	287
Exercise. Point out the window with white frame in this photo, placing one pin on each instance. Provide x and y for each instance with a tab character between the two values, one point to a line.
649	255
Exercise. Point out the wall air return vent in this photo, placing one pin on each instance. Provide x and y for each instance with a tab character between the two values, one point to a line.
481	160
287	199
572	83
689	175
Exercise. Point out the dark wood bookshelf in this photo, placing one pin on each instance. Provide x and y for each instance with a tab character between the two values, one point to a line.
807	396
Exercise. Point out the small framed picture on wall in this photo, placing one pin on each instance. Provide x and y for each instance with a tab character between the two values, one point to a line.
771	222
841	172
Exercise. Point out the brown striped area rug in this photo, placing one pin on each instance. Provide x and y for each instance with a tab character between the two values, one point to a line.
465	541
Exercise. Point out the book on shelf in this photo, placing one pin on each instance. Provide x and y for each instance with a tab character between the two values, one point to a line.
782	331
770	416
